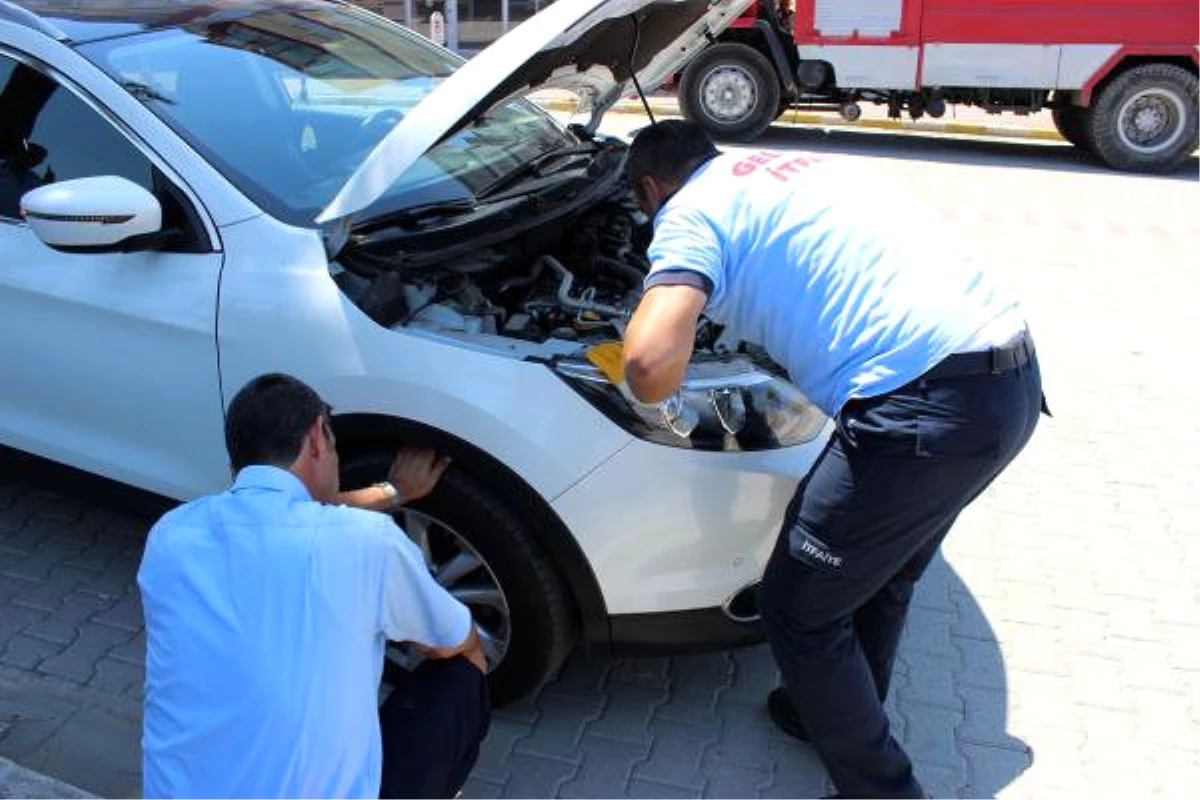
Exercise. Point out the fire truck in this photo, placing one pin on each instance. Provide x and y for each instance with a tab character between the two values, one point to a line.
1119	76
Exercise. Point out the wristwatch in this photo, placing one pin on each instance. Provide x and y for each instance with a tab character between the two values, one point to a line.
395	499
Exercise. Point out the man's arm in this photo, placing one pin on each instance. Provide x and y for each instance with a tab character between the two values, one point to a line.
413	474
659	340
470	648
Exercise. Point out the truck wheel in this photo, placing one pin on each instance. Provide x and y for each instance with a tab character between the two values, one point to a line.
1145	120
731	91
1071	122
484	555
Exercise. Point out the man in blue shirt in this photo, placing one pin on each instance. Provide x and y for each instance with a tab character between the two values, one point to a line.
267	610
923	362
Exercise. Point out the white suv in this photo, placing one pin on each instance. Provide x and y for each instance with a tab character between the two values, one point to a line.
194	194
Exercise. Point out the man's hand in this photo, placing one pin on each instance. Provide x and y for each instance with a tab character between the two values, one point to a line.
659	340
471	649
415	473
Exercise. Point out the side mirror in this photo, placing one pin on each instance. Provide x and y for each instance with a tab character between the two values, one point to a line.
93	214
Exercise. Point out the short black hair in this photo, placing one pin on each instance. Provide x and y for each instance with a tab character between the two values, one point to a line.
670	150
268	419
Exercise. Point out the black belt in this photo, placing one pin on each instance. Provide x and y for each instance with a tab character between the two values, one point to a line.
994	361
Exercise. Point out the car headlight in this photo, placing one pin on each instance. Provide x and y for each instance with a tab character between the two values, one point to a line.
723	404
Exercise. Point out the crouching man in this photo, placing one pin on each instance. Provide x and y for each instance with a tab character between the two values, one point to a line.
267	610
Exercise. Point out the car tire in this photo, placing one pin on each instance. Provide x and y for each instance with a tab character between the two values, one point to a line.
731	91
511	587
1071	122
1145	119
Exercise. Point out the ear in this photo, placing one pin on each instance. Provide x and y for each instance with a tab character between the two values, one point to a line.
314	441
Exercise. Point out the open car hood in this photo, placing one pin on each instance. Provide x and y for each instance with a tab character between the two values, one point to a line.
593	48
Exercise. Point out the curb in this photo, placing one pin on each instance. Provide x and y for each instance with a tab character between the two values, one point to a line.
19	782
671	109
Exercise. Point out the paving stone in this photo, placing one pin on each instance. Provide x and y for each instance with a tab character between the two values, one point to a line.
797	772
755	673
132	651
14	619
78	662
676	752
558	733
64	624
733	780
126	614
985	721
627	715
933	683
583	675
102	746
26	652
930	734
646	673
990	769
639	787
49	595
496	750
116	676
745	735
538	776
698	682
607	767
942	781
479	788
982	663
30	718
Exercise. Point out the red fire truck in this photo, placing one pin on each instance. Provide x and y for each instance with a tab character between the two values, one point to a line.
1118	75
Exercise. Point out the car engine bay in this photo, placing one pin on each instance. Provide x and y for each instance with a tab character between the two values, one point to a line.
564	265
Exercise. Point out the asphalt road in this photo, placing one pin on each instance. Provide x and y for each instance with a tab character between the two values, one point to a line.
1050	652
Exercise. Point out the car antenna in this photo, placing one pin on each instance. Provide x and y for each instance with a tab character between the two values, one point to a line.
637	35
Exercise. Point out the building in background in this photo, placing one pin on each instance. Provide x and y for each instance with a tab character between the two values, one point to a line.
469	25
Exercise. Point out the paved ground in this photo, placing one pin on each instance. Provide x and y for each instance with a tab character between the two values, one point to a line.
1050	653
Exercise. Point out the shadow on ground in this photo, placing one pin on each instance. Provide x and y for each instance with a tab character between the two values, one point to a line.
696	726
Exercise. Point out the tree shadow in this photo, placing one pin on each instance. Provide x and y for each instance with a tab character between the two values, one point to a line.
955	149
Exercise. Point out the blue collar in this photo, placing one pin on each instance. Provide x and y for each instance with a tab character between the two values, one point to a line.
271	479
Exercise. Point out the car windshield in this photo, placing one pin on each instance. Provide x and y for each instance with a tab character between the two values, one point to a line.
287	102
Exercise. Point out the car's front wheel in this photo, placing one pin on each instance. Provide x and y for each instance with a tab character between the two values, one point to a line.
479	549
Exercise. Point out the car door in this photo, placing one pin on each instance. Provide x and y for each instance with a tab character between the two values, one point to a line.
109	360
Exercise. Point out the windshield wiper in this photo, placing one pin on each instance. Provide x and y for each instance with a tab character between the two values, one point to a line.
144	92
533	167
409	217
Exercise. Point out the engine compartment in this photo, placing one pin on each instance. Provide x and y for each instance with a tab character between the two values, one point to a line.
574	278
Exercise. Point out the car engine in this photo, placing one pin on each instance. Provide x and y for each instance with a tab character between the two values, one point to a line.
575	279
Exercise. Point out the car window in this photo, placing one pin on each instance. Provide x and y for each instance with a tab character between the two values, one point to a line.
49	134
287	101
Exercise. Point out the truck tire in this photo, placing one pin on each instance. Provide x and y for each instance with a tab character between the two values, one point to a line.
480	550
1145	119
731	91
1071	122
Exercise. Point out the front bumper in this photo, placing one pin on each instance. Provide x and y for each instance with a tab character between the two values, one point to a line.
668	530
698	630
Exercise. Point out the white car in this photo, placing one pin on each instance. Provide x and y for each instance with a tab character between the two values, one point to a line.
194	194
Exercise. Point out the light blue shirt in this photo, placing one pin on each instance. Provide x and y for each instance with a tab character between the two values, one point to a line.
266	616
841	281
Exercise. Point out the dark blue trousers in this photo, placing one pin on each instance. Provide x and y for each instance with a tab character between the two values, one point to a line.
859	533
432	725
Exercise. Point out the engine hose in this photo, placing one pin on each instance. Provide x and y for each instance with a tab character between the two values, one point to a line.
633	279
564	292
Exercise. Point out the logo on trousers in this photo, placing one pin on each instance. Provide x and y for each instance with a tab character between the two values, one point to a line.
812	551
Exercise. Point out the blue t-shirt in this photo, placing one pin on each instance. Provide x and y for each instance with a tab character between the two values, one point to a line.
266	619
843	282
